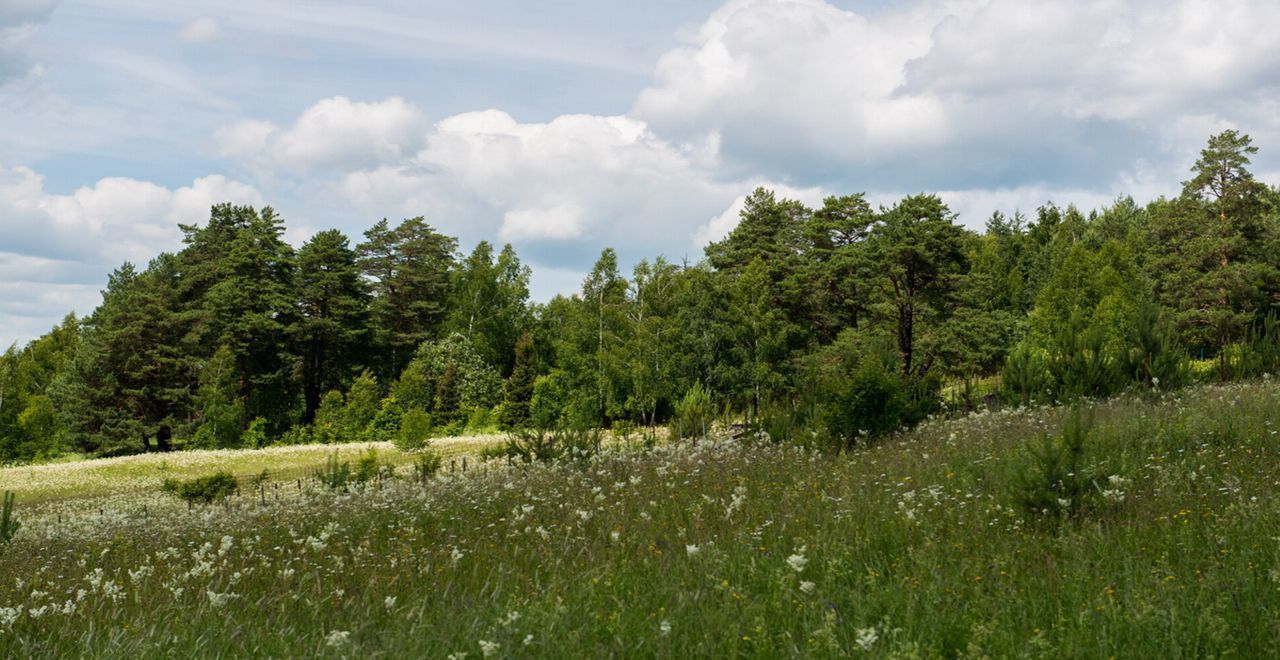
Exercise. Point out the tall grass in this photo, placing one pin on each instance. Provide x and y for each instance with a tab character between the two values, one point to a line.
920	546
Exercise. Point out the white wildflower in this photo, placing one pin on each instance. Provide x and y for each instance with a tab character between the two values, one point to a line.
8	615
866	637
337	638
691	549
807	586
489	649
389	602
216	599
528	639
797	562
664	628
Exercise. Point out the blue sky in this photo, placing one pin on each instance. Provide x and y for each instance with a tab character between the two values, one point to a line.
567	126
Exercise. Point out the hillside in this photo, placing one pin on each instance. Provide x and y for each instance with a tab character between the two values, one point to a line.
927	545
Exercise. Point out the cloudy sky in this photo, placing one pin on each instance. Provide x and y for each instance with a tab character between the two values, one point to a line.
564	126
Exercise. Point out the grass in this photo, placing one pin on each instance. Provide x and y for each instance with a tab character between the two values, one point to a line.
917	547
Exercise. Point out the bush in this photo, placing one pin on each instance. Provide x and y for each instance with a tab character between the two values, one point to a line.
873	402
256	435
203	490
1054	483
367	467
337	474
427	464
694	414
8	524
334	473
414	432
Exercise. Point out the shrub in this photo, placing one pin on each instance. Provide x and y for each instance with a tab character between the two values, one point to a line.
8	524
256	434
203	490
532	444
694	414
367	467
334	473
415	430
1053	482
873	402
427	464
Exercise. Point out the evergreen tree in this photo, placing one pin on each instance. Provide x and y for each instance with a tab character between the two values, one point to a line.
333	311
409	270
518	391
238	288
919	252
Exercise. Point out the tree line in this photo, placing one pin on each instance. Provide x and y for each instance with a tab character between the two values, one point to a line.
845	319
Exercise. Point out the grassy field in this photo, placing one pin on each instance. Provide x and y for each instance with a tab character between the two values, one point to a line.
924	546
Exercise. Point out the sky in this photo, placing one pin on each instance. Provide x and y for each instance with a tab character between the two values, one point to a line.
566	126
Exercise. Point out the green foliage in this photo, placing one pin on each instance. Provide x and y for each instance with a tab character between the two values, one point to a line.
409	268
8	523
1055	480
872	403
203	490
1026	376
546	445
364	403
222	410
694	414
426	464
237	338
415	430
256	435
447	376
334	474
338	474
518	391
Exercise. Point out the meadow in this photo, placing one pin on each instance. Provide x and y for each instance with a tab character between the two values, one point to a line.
946	541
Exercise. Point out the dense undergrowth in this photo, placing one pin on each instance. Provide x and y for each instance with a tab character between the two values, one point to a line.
1140	527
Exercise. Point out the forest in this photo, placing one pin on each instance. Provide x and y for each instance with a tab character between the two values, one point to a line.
834	325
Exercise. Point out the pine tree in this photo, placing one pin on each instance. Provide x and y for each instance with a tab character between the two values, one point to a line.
518	391
333	311
409	270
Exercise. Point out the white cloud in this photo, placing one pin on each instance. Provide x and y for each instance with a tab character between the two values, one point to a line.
722	224
57	249
576	178
200	30
334	133
967	93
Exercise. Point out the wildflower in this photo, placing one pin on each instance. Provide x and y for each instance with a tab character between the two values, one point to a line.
489	649
866	637
807	586
8	615
337	638
216	599
1064	503
1113	495
797	562
389	602
691	549
1116	480
664	628
528	639
615	535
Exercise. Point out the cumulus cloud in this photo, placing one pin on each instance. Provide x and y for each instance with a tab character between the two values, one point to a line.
335	133
958	93
200	30
56	249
